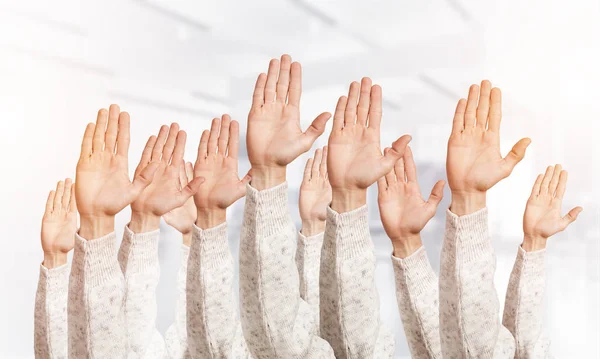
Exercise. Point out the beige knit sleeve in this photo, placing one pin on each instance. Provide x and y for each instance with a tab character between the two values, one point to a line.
308	261
176	335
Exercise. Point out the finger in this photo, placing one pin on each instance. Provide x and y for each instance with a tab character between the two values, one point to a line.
554	180
258	98
537	185
458	124
350	113
271	85
66	198
316	129
170	143
495	115
141	181
546	180
364	102
247	178
60	191
99	132
124	136
570	217
233	145
224	134
160	143
323	167
113	128
308	169
471	106
183	180
483	107
340	109
189	172
399	170
437	193
179	150
50	202
214	136
562	184
186	192
147	153
203	145
86	143
409	165
393	155
391	176
516	154
283	81
375	108
381	184
73	202
317	163
295	90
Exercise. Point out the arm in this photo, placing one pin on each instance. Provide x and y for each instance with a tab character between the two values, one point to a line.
96	311
469	321
404	214
277	323
213	327
349	300
523	309
58	233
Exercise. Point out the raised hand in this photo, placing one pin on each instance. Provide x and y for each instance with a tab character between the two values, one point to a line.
102	184
355	160
274	137
474	163
404	212
59	224
542	217
315	194
217	162
183	218
165	192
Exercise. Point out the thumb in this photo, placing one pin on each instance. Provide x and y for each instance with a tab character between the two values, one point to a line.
437	193
393	154
142	180
316	129
570	217
192	187
516	154
241	188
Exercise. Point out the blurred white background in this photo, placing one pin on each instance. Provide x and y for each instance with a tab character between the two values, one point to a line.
189	61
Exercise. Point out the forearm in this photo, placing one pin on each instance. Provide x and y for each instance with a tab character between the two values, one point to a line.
417	294
308	261
523	309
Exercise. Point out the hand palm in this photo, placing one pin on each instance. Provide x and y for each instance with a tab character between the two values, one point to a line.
222	185
58	231
542	217
315	196
182	218
162	194
403	209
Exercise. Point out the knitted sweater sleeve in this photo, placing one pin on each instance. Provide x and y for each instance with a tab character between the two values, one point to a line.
308	261
277	322
349	299
96	311
213	327
523	308
176	335
50	318
469	308
138	258
417	295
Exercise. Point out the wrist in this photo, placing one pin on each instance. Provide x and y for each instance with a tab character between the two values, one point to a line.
346	200
406	245
464	203
54	260
209	218
187	239
312	227
532	243
264	177
92	227
143	222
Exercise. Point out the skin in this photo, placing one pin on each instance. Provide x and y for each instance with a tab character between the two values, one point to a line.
183	218
355	160
315	194
218	162
59	224
274	137
474	163
165	191
542	218
404	212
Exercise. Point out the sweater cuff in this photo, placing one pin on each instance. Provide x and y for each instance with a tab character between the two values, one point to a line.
468	234
57	277
139	250
310	246
270	206
211	245
347	234
531	263
95	261
416	271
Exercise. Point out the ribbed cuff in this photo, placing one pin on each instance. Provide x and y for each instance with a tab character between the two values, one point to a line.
211	245
468	234
310	246
416	271
140	249
531	263
95	261
55	277
271	206
347	234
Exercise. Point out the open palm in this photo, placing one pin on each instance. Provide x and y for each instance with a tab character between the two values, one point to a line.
59	223
315	190
183	218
